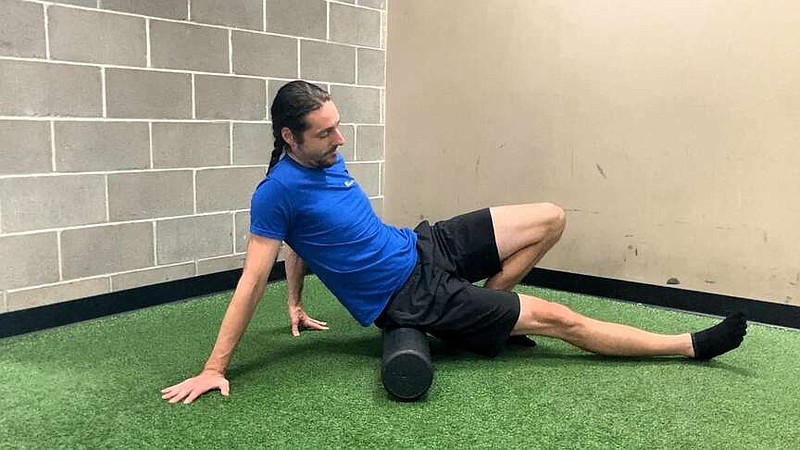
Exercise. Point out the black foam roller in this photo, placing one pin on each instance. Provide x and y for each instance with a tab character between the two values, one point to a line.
406	368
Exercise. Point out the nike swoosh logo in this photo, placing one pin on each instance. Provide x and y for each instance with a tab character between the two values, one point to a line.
349	183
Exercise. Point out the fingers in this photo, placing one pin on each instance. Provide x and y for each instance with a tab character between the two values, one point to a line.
315	325
225	388
191	389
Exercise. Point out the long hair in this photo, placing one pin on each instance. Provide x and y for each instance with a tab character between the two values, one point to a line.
292	102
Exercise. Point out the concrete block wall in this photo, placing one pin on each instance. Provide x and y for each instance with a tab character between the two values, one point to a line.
132	133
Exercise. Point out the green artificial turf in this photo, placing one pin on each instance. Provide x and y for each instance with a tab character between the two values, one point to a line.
96	385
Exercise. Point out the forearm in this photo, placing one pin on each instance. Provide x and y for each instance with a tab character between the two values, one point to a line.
238	315
295	275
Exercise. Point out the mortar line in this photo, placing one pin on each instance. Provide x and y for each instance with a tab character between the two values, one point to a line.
155	244
230	51
53	145
46	32
328	21
60	259
103	90
194	104
108	208
189	71
147	36
150	137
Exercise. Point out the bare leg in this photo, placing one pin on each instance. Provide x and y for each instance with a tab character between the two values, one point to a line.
545	318
524	234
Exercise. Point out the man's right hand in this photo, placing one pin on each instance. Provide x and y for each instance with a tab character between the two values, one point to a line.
194	387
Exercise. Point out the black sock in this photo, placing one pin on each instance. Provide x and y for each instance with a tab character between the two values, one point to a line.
521	340
722	337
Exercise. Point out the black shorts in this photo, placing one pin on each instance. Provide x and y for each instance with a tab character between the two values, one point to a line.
439	296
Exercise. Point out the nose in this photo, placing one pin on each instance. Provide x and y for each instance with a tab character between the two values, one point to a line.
338	137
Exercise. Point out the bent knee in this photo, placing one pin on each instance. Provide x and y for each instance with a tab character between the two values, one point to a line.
545	318
554	217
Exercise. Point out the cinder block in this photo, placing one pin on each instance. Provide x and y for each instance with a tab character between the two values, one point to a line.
371	67
24	147
93	251
97	37
242	220
357	105
96	146
223	264
52	201
168	9
148	94
62	292
368	177
230	98
149	277
227	189
28	260
87	3
186	46
349	147
306	18
47	89
263	55
355	25
21	29
378	4
147	195
329	62
246	14
181	145
194	238
252	143
377	206
370	143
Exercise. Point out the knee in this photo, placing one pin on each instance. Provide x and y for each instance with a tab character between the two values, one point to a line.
556	218
550	319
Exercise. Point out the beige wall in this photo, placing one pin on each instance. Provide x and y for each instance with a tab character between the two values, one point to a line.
669	131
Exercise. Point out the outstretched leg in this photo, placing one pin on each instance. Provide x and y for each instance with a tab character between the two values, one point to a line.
545	318
524	234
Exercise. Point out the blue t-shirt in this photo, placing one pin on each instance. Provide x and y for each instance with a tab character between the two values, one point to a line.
325	217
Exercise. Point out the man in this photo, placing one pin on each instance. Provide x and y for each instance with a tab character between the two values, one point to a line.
398	277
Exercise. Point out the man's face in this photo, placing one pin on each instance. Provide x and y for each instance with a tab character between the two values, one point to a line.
320	141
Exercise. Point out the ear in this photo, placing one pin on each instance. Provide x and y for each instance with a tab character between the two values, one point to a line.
288	137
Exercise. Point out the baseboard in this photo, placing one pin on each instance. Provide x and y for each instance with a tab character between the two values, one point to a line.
49	316
43	317
669	297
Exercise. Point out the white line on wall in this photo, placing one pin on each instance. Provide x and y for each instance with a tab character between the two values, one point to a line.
230	140
328	21
155	244
230	51
192	72
147	35
194	105
46	33
108	214
53	145
103	90
150	134
60	262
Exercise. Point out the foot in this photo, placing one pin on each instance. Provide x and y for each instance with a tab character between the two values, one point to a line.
721	338
521	340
